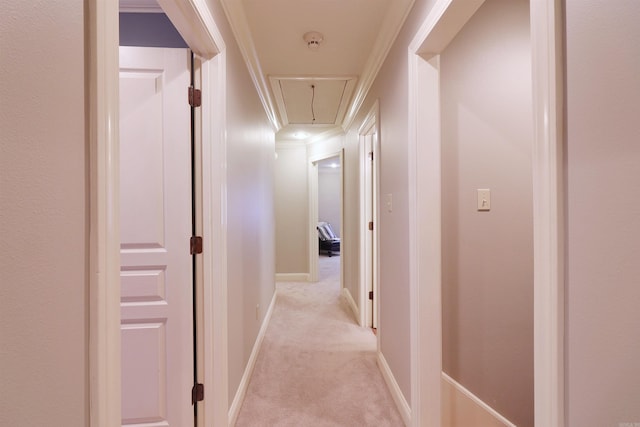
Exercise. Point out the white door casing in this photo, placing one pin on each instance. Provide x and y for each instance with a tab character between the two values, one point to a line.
368	227
369	158
156	271
312	174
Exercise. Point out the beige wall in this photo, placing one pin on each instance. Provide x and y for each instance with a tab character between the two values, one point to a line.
43	215
250	207
487	257
292	209
603	213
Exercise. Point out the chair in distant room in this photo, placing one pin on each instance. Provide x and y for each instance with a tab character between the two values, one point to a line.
328	242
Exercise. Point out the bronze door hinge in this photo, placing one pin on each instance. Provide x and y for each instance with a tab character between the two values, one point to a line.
195	97
197	393
195	246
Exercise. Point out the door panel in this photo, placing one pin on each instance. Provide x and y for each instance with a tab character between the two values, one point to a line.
155	194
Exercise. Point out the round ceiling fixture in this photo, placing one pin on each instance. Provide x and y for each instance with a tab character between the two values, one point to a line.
313	39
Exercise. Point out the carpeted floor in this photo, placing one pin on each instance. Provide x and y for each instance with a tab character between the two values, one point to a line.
316	366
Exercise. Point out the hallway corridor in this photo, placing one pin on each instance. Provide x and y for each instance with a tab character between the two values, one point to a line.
316	366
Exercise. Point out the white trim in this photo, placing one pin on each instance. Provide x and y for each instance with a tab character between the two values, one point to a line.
314	247
445	20
133	6
234	410
214	202
351	302
425	240
369	126
195	23
394	389
548	217
200	80
479	409
391	25
240	27
440	26
104	211
292	277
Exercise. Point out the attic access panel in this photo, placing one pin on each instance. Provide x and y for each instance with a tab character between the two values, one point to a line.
301	99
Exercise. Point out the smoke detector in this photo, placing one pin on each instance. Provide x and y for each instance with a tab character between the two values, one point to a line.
313	39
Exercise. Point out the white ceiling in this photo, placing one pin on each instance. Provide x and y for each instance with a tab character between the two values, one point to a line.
329	83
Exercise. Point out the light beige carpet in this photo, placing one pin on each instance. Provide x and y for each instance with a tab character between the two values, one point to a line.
316	366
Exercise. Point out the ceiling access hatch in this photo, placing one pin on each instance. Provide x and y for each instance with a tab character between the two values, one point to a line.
318	101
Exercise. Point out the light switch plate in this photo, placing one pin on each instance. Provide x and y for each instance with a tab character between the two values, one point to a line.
389	202
484	199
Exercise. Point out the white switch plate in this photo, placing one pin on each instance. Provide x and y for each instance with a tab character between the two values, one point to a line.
484	199
389	202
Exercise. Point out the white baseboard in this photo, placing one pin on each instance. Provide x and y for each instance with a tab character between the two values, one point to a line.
352	303
461	408
394	388
292	277
234	410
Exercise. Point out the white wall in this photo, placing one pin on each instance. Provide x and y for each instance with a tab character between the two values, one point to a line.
43	215
329	196
603	213
250	207
292	208
487	257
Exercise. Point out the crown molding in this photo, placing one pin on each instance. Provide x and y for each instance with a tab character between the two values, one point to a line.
241	31
390	29
139	6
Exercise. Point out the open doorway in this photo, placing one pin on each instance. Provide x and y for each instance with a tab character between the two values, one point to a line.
329	223
326	177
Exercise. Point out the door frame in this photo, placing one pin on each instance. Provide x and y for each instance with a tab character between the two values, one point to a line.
195	23
443	22
313	212
370	126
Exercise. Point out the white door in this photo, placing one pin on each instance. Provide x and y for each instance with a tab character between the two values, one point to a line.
155	208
